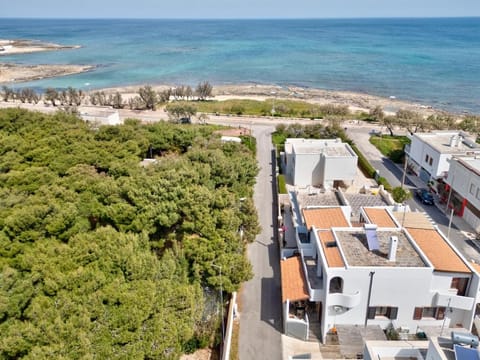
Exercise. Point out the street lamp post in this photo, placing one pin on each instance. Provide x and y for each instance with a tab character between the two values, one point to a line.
450	223
404	212
404	170
221	300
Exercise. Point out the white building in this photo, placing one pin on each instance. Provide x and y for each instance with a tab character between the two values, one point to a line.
428	153
437	348
463	191
100	115
234	139
380	274
319	162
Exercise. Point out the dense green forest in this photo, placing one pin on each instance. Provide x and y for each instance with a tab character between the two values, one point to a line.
103	258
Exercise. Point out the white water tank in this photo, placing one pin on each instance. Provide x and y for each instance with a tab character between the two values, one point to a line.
465	339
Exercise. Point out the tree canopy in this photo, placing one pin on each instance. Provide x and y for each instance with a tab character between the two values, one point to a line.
102	257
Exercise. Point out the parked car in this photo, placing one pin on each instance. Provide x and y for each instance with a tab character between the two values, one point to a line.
424	196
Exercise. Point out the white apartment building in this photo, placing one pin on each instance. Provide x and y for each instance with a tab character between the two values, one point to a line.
313	162
428	153
463	191
379	274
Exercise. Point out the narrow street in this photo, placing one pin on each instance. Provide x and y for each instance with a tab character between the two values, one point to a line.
260	310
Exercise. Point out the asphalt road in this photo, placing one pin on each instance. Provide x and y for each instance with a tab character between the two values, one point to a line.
260	308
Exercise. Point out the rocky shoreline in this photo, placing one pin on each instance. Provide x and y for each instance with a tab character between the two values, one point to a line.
23	46
14	73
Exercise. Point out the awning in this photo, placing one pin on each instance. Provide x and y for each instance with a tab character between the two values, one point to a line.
294	285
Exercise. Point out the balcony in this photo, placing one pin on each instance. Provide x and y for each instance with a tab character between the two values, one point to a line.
451	300
345	300
314	282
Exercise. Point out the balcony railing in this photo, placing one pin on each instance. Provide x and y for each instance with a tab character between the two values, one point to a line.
345	300
447	299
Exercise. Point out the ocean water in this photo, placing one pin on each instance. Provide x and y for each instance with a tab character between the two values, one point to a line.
431	61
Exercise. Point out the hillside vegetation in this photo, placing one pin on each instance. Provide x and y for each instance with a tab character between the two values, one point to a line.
103	258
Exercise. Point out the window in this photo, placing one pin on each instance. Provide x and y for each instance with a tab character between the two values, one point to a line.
460	284
472	189
336	285
429	312
430	161
478	194
426	158
388	312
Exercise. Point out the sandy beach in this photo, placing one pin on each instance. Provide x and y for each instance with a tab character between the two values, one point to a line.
356	102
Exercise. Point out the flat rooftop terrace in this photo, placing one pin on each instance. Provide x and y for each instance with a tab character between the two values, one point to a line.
357	201
441	141
328	198
330	149
355	249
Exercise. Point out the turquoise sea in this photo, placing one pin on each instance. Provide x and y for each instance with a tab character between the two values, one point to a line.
432	61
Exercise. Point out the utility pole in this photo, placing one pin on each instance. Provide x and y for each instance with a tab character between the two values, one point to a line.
369	295
404	170
450	224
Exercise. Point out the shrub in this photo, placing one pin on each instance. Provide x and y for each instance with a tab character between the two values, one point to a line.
400	194
282	188
382	181
250	142
366	168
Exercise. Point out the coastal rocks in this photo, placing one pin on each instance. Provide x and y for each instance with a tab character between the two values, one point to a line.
20	73
22	46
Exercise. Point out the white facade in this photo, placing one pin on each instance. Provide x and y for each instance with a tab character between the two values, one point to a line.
100	115
319	162
464	178
413	287
429	153
352	285
234	139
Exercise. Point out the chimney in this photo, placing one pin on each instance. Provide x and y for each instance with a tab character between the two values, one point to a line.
392	253
459	140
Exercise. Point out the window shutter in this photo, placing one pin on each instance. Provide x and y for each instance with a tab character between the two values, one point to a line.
417	314
371	312
440	313
393	313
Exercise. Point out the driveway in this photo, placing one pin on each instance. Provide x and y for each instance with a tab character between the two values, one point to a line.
260	298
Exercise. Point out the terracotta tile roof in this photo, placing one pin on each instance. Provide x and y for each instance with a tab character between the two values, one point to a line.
332	253
380	217
438	251
325	218
294	285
